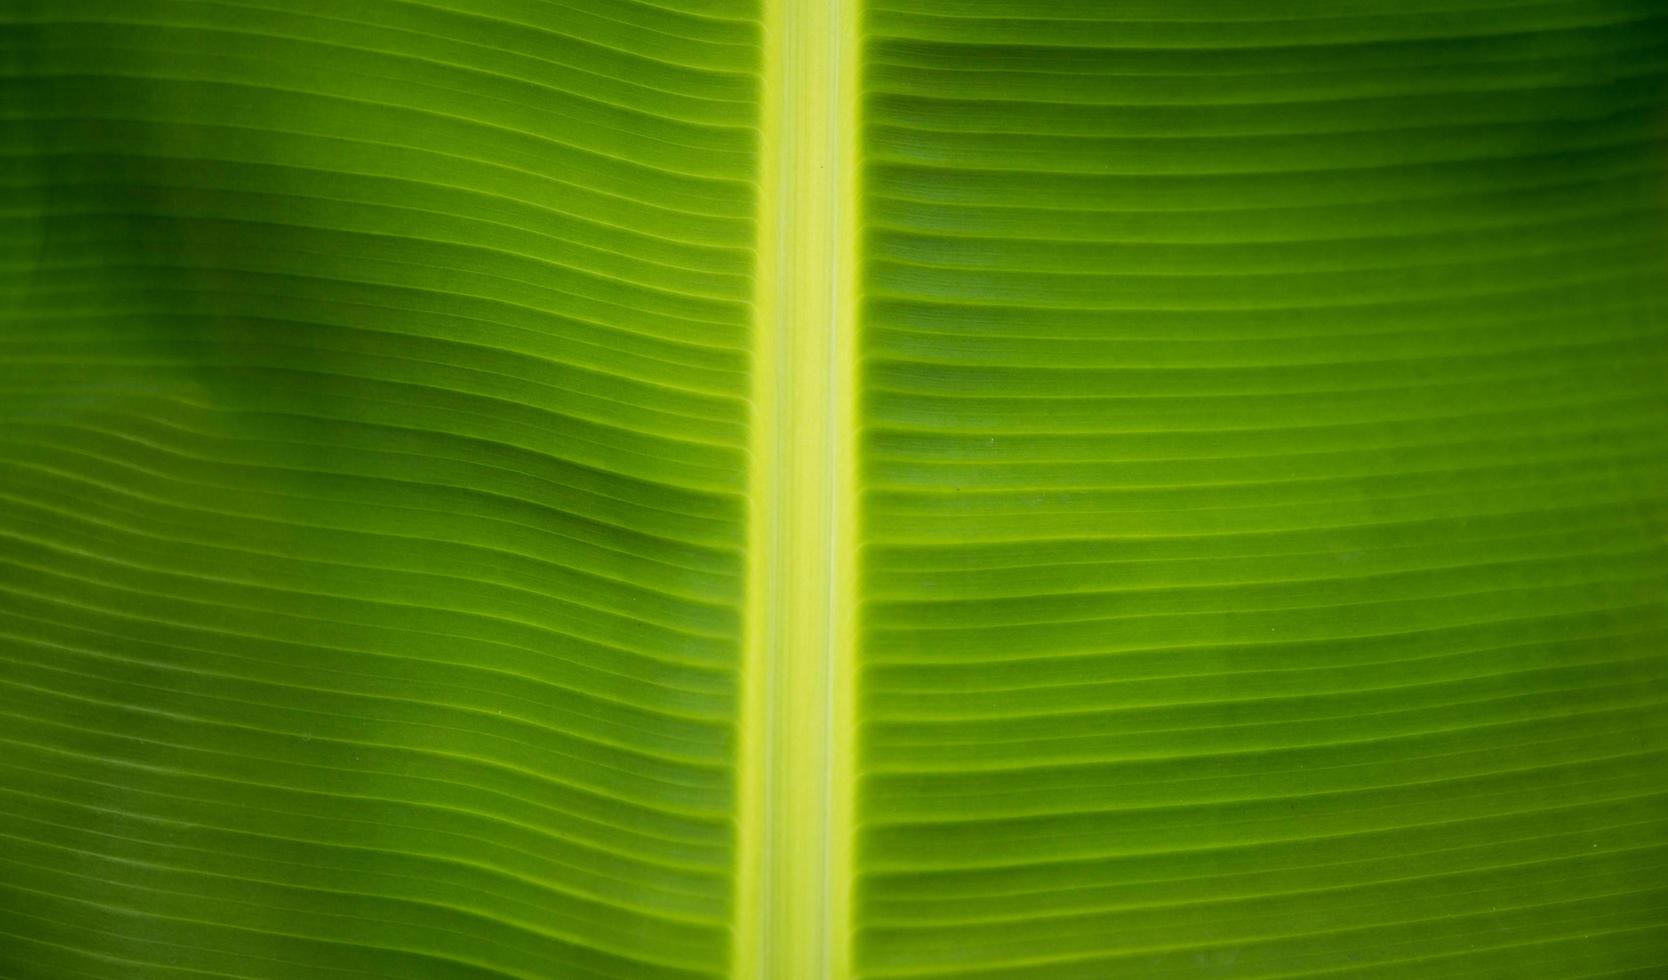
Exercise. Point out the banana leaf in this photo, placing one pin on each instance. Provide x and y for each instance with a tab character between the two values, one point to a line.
823	489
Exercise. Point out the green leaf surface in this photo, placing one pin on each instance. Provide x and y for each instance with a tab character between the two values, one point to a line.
374	443
823	489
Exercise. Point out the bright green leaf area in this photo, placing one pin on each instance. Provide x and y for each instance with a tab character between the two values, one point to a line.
1238	496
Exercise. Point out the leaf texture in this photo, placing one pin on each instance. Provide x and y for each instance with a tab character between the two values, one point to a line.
1260	492
372	521
1264	455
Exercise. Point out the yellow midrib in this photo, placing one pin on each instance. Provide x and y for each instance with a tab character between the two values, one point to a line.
794	824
